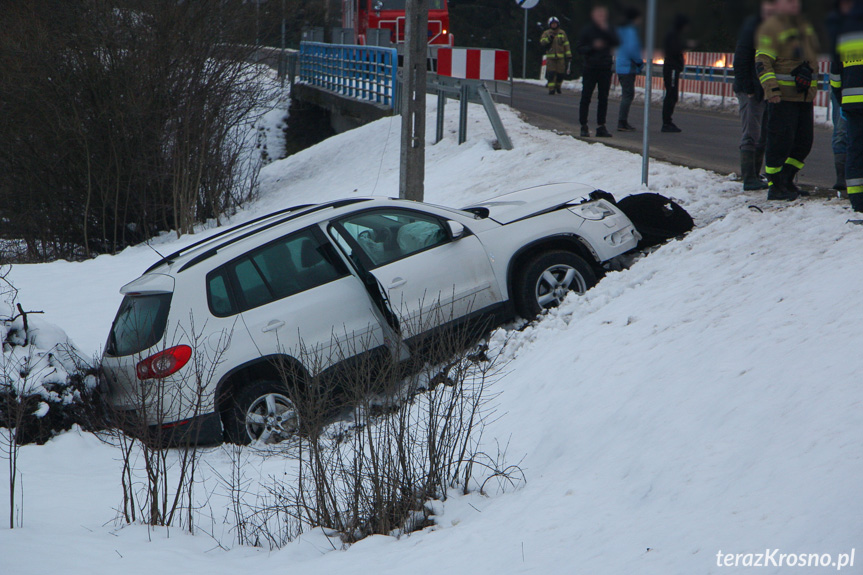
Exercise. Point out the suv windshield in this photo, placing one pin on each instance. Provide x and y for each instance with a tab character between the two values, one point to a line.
140	323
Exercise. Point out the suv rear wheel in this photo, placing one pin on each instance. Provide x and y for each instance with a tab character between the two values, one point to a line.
261	412
546	278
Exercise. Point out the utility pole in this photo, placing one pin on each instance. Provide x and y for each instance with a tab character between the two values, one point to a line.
524	48
257	22
413	148
334	14
525	5
648	90
283	68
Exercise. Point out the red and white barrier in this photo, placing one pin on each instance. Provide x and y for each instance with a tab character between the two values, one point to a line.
473	63
710	59
823	97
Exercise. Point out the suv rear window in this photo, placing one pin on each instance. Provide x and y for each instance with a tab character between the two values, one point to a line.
140	324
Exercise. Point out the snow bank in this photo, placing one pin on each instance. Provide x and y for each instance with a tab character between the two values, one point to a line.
39	360
43	376
705	400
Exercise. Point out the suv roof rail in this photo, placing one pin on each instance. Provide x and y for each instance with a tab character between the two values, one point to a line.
171	257
314	208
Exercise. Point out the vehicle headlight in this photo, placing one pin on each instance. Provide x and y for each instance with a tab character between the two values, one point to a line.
595	211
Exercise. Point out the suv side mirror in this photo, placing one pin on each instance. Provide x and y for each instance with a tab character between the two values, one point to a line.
456	230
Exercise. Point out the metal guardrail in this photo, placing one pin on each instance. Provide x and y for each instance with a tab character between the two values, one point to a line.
716	82
466	91
282	61
362	72
725	75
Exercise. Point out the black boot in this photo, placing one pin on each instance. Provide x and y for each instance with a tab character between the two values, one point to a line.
602	132
840	172
749	172
788	174
856	201
778	190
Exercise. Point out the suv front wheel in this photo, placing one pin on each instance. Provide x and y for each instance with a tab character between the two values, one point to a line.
546	279
261	412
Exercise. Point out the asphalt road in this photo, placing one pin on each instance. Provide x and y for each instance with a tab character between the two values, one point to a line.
709	139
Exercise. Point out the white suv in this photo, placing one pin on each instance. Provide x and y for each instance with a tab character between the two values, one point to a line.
370	275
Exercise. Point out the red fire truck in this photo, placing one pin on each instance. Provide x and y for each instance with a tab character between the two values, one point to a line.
365	15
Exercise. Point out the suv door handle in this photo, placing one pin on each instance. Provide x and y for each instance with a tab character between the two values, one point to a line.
273	325
397	282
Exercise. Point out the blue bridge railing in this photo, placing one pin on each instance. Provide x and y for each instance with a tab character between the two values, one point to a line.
362	72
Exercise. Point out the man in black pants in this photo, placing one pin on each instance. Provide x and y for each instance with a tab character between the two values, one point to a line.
671	70
595	43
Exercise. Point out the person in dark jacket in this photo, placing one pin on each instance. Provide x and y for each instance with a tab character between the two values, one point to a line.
841	9
672	69
595	44
628	64
846	73
750	98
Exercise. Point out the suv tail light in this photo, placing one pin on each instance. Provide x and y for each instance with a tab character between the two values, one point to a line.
164	363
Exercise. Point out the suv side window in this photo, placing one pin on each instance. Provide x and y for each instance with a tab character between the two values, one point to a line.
392	234
219	295
253	290
282	268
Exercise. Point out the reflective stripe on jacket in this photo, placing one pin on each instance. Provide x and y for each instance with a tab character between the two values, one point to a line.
846	72
556	44
783	43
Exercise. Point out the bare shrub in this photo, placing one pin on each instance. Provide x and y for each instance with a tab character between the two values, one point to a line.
259	515
45	385
122	119
160	460
13	414
405	433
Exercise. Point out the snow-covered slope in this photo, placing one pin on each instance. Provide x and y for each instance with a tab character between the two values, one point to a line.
705	400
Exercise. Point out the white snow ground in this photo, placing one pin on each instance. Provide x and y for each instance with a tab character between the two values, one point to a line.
706	399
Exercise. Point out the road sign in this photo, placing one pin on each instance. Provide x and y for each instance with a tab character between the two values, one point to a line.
526	5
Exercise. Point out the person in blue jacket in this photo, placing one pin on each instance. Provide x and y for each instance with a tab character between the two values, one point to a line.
629	63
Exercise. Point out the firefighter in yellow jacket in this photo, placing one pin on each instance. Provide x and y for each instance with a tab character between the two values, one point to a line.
557	53
786	59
